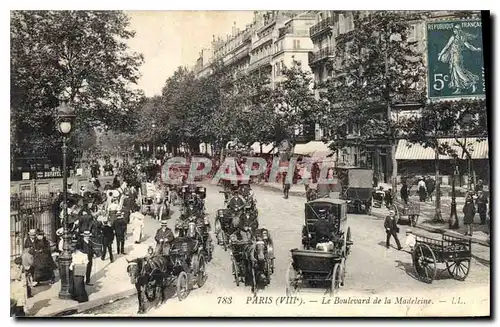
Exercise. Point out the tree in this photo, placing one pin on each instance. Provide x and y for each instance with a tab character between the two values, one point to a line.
453	120
378	68
75	56
294	102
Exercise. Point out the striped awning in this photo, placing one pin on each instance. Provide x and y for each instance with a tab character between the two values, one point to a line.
408	151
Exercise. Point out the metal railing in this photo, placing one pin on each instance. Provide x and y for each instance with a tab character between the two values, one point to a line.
29	212
321	54
321	26
266	60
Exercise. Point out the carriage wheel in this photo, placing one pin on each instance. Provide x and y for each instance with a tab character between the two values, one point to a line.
291	280
182	285
424	262
235	270
336	279
458	269
342	272
202	272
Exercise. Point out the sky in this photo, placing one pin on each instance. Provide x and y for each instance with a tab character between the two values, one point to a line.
168	39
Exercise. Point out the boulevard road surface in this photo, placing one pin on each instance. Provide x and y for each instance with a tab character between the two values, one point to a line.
372	271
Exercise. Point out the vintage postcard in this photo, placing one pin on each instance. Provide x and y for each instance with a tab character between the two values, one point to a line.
249	163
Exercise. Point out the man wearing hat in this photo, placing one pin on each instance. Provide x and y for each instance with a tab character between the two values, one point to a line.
163	237
86	247
120	227
323	229
391	229
29	243
70	188
108	236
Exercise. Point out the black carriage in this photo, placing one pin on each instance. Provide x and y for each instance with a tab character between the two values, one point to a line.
188	267
312	267
356	188
452	251
196	228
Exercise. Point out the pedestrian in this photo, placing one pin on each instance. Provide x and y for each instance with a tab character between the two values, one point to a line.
482	206
469	211
391	229
430	186
86	247
108	236
120	227
286	185
479	186
422	190
18	288
43	262
78	270
388	198
137	226
404	192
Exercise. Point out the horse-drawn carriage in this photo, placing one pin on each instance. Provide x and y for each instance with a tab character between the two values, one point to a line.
252	260
154	200
357	187
183	267
196	228
409	211
312	266
454	252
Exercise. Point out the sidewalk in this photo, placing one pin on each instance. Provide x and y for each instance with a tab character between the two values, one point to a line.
111	281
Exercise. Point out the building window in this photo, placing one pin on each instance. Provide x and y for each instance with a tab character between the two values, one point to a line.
296	44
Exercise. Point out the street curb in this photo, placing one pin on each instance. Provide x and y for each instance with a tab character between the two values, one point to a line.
82	307
439	231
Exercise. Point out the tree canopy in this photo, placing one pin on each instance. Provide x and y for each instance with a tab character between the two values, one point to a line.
75	56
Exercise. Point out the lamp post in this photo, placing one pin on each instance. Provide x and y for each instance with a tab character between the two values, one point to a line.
153	126
65	120
453	222
467	119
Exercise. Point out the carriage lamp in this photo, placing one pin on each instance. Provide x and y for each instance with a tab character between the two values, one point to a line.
65	120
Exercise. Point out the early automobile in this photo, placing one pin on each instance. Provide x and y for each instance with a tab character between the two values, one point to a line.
321	262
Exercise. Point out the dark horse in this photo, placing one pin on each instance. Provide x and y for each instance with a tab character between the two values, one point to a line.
149	276
261	255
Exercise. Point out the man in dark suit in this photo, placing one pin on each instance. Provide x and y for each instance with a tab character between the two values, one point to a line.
164	236
482	206
108	235
391	229
87	248
120	227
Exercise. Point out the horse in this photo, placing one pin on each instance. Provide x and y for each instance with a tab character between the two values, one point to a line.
148	274
261	256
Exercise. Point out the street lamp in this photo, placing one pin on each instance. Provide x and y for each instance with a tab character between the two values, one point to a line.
65	119
453	222
153	125
466	119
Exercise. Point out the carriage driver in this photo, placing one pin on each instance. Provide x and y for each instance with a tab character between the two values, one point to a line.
164	236
325	232
236	202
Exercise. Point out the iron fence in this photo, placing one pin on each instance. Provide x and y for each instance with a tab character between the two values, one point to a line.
30	212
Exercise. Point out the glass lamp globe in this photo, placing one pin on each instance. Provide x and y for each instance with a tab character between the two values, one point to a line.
65	127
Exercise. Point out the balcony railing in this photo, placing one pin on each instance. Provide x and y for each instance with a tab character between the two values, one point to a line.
262	40
321	54
321	26
254	64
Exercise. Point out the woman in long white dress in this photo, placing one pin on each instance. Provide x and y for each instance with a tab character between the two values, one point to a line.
460	77
137	226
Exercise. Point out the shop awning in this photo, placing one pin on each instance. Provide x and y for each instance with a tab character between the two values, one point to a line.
408	151
310	148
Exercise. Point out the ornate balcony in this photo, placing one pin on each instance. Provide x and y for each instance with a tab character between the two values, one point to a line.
322	26
321	54
254	64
